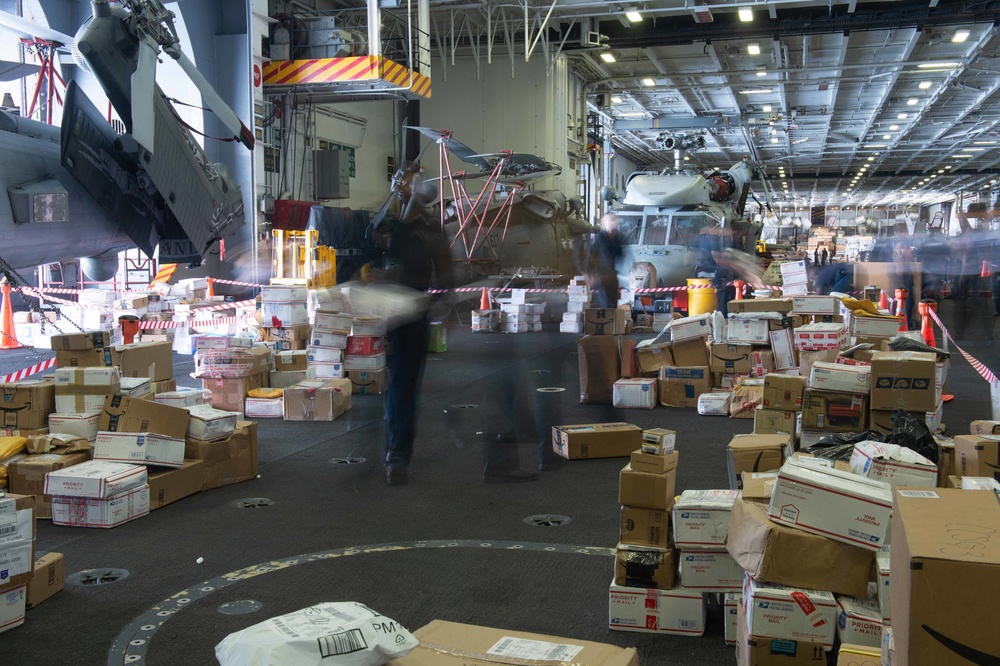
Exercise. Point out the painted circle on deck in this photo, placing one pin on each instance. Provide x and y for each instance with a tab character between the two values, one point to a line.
551	389
132	643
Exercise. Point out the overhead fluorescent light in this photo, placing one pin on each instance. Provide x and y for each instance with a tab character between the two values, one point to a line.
871	159
912	101
893	128
886	137
960	157
615	99
632	114
948	166
874	145
974	150
753	49
746	14
607	57
761	72
774	139
756	91
939	65
766	108
903	116
648	82
633	15
960	36
984	143
924	85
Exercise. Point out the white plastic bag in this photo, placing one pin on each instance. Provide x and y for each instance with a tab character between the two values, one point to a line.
327	634
715	404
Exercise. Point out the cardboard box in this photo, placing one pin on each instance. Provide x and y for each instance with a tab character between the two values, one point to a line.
984	428
452	644
600	365
369	382
207	423
17	545
283	294
730	357
639	566
817	305
786	356
125	414
228	393
630	368
27	477
139	448
84	389
783	392
285	379
169	485
323	355
185	398
596	440
701	518
82	425
658	441
48	578
945	563
646	489
12	605
145	359
820	337
731	615
653	463
293	361
883	582
780	305
645	527
604	321
889	648
334	322
317	400
685	328
894	464
690	353
58	443
748	394
264	408
774	421
639	393
373	362
808	358
227	461
748	330
137	387
681	386
105	513
283	315
840	377
859	622
873	326
834	412
904	380
26	405
710	570
95	357
779	611
369	325
757	651
80	341
757	486
831	503
676	611
289	333
364	345
202	342
860	655
755	453
761	362
322	370
232	363
978	455
651	357
775	553
96	479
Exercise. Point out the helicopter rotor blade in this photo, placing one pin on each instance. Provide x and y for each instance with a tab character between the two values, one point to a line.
143	90
222	111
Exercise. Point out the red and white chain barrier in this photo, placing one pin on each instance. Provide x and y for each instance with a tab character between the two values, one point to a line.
145	325
27	372
976	364
239	284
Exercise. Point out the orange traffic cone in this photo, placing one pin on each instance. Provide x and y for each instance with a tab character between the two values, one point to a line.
8	337
987	270
484	302
211	287
924	307
883	301
901	297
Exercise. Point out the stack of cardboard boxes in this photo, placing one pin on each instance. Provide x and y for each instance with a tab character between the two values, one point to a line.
579	302
365	355
231	372
518	315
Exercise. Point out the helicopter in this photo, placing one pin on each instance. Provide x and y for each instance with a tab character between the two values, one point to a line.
85	190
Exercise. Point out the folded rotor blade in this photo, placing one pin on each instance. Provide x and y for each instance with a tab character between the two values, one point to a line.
23	27
223	112
143	90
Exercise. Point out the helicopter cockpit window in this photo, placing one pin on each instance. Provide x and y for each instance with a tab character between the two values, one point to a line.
628	229
656	230
688	228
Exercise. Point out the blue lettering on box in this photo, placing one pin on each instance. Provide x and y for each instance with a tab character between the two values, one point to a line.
783	647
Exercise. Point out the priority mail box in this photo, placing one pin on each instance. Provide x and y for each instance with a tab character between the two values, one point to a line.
125	414
839	377
643	566
774	421
873	326
137	387
207	423
730	357
645	527
281	315
783	347
317	400
816	305
81	341
859	621
779	305
318	355
596	440
783	391
779	611
710	570
283	294
731	615
646	489
82	425
701	518
264	408
756	651
185	398
882	570
371	325
980	483
145	359
658	441
773	552
904	380
26	476
84	389
978	455
232	363
651	357
17	543
755	453
329	370
634	393
832	411
139	448
945	561
334	322
677	611
894	464
690	327
96	478
294	361
107	512
222	342
12	604
748	330
680	387
26	405
373	362
832	503
321	339
818	337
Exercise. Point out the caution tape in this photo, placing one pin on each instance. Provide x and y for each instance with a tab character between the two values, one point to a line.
27	372
237	283
976	364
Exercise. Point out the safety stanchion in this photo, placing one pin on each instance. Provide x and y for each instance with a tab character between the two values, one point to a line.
925	307
8	336
901	297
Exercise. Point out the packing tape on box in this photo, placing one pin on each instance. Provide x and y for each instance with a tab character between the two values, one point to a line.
976	364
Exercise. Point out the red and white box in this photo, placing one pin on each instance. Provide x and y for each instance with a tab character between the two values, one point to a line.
817	337
701	518
96	478
327	369
12	606
783	348
107	512
839	377
639	393
789	613
139	448
882	567
894	464
747	330
859	621
817	305
690	327
283	315
839	505
83	424
264	408
364	345
327	339
710	570
283	294
324	355
731	604
675	611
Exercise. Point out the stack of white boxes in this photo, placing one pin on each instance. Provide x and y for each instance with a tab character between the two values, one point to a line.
327	343
519	316
701	520
579	301
365	357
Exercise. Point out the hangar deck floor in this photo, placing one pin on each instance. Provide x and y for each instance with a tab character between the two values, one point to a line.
454	547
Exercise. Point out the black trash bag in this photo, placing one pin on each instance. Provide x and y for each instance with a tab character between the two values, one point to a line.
840	446
910	431
901	343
